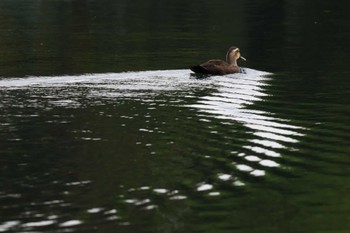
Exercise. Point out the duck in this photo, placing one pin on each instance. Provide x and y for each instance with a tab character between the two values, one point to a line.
220	67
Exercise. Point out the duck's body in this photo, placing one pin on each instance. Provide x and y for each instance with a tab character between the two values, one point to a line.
220	67
215	67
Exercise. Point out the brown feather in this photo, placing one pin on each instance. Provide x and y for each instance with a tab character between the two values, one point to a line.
220	67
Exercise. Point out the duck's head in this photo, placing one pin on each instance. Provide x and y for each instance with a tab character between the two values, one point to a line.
233	54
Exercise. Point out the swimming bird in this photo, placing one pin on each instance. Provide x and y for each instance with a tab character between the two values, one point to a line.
220	67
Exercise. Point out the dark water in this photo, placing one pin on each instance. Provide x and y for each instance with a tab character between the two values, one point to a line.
103	129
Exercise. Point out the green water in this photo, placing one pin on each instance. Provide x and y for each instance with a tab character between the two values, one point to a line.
103	128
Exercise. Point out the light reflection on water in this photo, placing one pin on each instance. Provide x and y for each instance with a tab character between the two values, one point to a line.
206	110
231	100
45	94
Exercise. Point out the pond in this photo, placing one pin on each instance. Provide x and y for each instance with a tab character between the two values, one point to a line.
104	129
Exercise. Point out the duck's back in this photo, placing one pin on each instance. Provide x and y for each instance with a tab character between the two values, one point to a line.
216	62
216	67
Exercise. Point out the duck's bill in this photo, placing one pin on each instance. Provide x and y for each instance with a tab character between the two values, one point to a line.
243	58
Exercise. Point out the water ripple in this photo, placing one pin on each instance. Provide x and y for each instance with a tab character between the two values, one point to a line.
233	99
187	138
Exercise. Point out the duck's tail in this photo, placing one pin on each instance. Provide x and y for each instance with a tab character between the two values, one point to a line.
198	69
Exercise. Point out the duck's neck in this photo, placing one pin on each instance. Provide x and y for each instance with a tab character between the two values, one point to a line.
230	59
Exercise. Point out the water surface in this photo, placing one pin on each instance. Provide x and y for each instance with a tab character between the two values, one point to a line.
103	129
